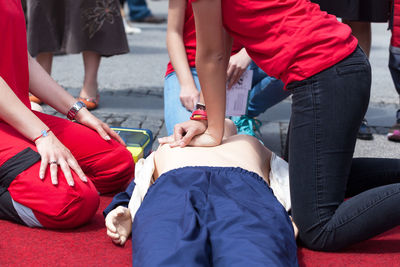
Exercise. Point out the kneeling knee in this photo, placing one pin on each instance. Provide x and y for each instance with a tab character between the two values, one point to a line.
76	208
322	240
120	170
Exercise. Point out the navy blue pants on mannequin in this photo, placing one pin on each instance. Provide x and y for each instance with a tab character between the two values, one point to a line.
211	216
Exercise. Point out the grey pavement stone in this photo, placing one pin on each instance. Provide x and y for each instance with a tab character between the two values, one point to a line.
380	147
115	120
131	123
153	124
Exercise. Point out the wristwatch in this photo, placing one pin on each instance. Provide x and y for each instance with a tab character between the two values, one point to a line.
200	106
74	110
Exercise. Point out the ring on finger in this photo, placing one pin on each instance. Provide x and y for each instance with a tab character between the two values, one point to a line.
53	162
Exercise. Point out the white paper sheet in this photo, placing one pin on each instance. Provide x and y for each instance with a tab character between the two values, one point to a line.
236	97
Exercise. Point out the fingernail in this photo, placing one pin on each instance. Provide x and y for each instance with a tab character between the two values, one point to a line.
41	176
71	183
84	178
181	144
107	138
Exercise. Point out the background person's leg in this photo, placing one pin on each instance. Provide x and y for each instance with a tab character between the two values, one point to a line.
174	111
138	9
266	92
90	93
45	60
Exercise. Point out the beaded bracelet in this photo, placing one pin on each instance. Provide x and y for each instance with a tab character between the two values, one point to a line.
44	134
198	115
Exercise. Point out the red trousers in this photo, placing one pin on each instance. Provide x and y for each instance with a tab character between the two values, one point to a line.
107	164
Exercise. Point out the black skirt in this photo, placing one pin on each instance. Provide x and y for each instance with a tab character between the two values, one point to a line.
73	26
357	10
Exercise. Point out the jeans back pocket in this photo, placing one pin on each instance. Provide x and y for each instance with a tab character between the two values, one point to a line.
352	67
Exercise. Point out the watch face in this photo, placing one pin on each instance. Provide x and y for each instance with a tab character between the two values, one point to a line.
80	105
74	109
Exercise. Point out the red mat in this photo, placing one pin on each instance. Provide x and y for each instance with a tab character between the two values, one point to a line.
90	246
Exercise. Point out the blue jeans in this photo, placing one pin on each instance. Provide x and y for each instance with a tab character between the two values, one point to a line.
138	9
266	92
327	110
174	111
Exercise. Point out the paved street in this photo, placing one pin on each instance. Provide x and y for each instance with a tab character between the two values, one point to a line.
131	89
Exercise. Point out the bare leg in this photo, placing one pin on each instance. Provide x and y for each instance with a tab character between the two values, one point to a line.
362	31
45	60
91	61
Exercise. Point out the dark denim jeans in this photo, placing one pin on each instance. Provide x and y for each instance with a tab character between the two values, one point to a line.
138	9
327	110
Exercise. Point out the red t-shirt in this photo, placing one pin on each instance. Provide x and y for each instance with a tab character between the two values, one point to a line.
189	39
13	49
290	40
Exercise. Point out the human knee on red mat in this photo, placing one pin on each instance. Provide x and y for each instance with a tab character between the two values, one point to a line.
108	165
114	170
55	206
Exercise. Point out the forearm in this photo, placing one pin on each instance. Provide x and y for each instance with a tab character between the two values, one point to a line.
212	76
44	87
211	62
16	114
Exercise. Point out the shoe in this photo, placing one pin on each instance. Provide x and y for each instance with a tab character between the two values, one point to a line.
394	131
247	125
129	29
35	99
91	103
151	19
364	133
36	107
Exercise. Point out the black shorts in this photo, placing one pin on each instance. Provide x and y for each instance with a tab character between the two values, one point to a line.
357	10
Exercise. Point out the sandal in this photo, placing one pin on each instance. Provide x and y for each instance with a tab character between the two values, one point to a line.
35	99
394	131
91	103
